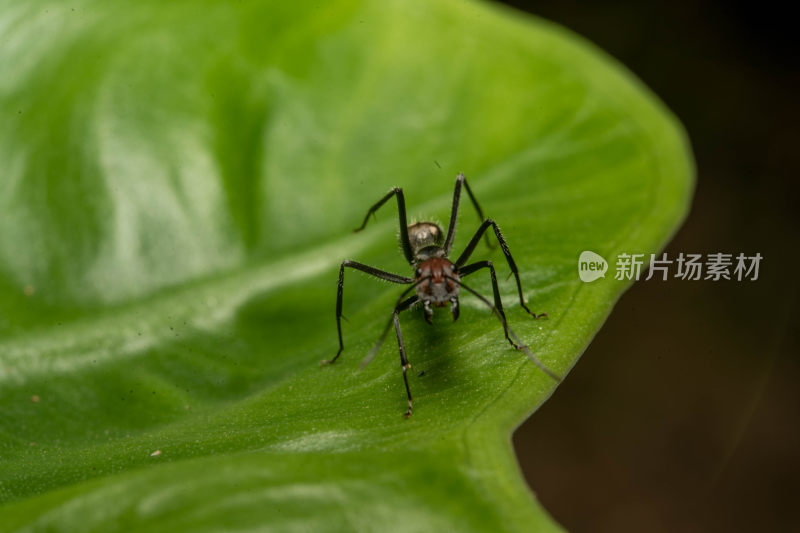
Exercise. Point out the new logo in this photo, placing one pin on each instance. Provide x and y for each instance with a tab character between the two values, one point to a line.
591	266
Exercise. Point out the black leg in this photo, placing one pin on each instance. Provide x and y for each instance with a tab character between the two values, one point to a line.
498	303
469	269
510	335
399	308
387	276
403	359
401	208
451	230
400	303
504	246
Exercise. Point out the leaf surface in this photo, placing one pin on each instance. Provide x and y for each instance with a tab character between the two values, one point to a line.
178	189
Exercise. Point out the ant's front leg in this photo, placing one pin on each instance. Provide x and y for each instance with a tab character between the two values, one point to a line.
506	252
403	358
381	274
498	303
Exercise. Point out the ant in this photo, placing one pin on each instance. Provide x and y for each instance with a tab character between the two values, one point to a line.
437	279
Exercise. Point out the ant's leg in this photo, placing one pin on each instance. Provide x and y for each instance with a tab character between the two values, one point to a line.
400	303
504	246
498	303
403	359
510	335
401	208
451	230
469	269
387	276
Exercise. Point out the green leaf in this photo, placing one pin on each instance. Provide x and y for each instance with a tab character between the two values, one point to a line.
178	186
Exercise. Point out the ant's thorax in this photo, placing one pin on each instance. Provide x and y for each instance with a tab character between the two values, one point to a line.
437	278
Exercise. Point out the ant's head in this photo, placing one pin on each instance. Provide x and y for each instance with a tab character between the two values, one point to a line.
424	234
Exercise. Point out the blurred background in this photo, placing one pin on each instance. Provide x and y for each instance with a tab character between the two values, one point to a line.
682	414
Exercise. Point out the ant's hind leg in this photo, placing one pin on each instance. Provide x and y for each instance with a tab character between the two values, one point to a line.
401	210
451	230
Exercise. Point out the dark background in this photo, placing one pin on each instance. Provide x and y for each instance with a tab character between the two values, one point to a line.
682	415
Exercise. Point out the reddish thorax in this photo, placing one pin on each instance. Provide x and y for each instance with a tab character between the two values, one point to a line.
438	290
